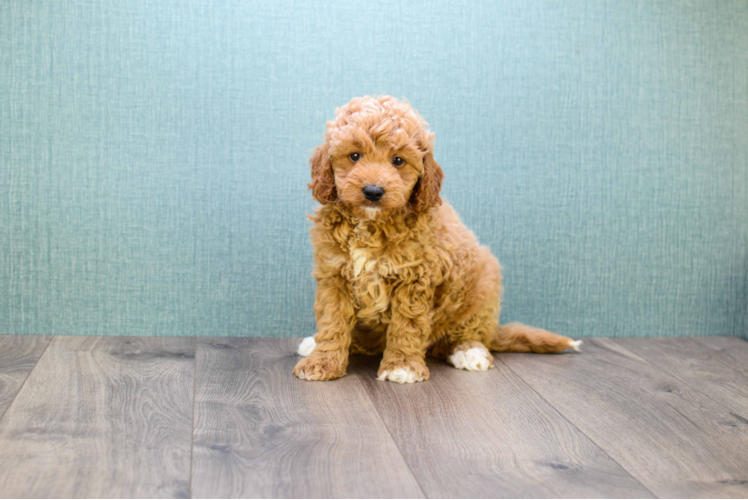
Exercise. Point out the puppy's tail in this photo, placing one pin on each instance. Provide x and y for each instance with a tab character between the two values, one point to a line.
516	337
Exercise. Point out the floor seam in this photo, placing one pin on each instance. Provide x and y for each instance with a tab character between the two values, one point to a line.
15	396
562	415
389	433
194	394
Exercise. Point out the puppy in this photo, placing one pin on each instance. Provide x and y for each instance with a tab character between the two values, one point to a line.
397	273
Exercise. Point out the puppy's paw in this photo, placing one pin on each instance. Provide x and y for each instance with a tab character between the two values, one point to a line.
307	346
403	373
471	356
322	366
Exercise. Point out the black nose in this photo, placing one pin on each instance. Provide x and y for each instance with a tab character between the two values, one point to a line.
373	193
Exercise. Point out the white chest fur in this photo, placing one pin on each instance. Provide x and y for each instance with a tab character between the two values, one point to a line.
367	275
363	262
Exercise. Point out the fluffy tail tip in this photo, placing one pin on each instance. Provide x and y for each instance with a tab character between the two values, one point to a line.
574	344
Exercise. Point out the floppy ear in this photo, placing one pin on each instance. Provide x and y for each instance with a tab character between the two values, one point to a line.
323	179
426	191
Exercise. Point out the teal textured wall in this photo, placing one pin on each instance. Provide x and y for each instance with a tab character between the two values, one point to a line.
153	156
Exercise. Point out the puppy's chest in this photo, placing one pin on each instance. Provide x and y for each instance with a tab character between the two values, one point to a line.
370	256
371	275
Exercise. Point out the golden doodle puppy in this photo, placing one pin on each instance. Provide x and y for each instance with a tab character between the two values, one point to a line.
397	273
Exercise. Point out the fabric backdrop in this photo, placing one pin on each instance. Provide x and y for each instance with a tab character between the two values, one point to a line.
153	156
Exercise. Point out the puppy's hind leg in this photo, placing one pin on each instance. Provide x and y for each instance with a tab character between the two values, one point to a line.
461	344
471	356
307	346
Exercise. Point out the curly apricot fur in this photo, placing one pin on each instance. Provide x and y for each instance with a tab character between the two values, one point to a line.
401	276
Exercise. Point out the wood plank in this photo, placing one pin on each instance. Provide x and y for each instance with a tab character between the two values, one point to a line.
18	356
476	435
672	438
261	432
102	417
732	351
698	366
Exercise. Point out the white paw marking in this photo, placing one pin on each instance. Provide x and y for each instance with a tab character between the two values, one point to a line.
574	344
307	346
401	376
475	359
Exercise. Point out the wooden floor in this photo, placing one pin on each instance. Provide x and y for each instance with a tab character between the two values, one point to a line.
224	417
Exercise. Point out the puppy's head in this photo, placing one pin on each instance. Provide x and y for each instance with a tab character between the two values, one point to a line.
377	159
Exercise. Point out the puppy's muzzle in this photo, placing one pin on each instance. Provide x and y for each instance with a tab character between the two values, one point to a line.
373	193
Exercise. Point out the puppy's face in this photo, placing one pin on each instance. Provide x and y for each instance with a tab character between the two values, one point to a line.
374	180
376	160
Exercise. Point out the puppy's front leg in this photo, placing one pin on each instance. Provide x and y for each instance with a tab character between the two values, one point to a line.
336	317
408	335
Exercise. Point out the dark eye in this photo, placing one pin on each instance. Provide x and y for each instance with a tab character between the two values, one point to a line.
354	157
397	161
